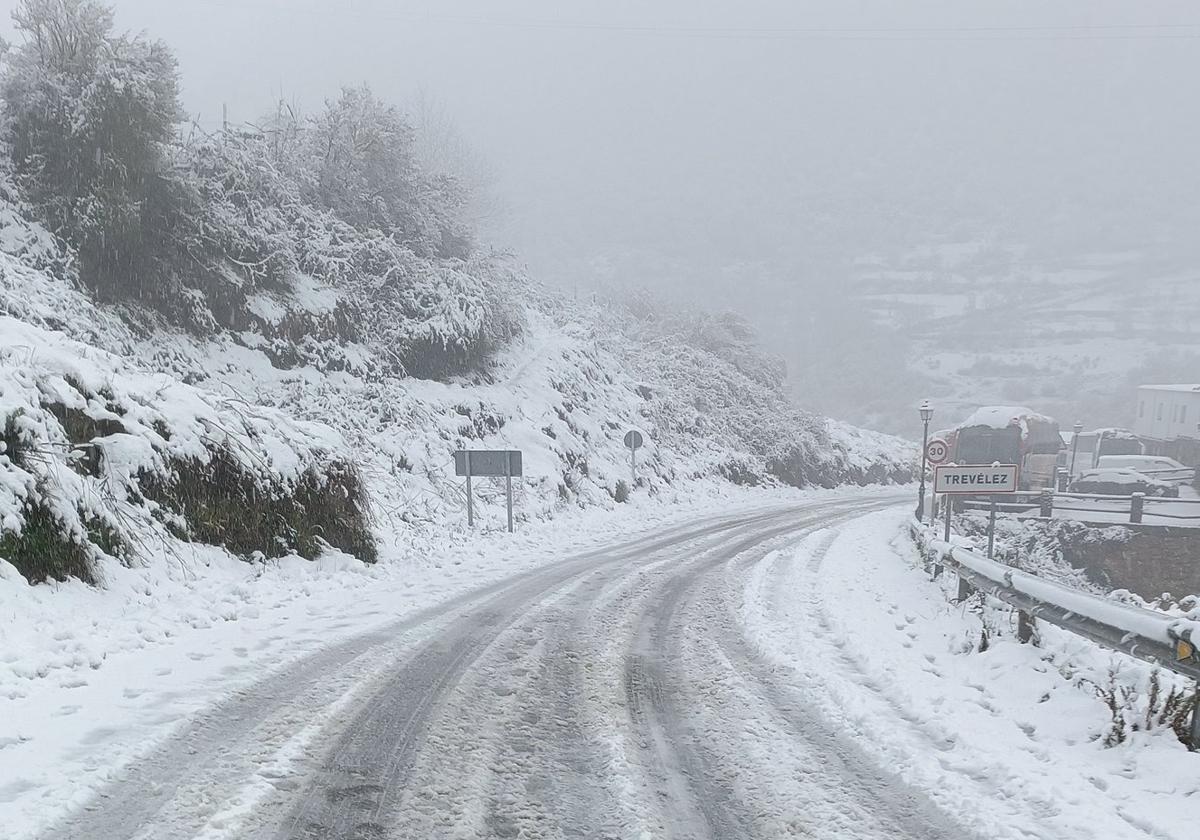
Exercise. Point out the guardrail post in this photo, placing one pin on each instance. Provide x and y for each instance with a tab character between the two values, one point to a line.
1024	627
1046	502
992	530
965	590
1137	506
1194	732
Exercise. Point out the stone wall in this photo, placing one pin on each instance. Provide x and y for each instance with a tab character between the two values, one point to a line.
1146	559
1149	561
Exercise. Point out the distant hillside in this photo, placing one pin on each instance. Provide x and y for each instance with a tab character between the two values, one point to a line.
970	324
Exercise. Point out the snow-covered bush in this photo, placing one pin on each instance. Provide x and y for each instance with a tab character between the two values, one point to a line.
100	455
88	116
244	210
448	318
1144	704
357	159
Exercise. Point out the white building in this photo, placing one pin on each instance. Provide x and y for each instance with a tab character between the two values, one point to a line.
1166	412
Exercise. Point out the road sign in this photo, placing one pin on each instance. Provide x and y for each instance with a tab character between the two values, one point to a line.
488	462
937	451
975	480
633	440
481	462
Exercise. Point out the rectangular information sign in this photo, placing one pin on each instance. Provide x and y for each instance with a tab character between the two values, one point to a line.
975	479
488	462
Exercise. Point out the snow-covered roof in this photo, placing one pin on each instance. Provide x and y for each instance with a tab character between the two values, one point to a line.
1114	432
1003	416
1187	388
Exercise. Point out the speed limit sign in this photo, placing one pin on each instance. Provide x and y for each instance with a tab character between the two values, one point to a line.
937	451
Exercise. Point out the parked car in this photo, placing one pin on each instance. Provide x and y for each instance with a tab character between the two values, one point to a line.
1117	481
1155	466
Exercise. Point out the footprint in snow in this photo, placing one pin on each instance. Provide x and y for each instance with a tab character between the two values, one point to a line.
13	790
12	740
99	735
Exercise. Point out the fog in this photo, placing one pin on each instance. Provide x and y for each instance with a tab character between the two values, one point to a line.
755	155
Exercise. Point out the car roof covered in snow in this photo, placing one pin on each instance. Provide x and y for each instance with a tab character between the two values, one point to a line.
1117	475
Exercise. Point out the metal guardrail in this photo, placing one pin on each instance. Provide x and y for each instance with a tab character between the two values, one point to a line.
1163	640
1138	509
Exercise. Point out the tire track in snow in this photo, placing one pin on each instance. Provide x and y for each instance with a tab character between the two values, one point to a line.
990	782
567	750
384	742
173	790
692	631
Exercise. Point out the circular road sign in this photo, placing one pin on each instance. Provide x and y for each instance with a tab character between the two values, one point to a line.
937	451
633	439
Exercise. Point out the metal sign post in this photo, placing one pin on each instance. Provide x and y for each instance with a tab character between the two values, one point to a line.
488	462
633	440
992	530
470	495
508	491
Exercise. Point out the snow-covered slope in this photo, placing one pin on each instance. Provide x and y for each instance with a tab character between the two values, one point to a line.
122	421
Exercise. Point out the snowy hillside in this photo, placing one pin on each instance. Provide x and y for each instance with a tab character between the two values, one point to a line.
273	338
973	324
115	423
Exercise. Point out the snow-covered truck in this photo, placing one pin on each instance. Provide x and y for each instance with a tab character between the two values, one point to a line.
1099	443
1010	435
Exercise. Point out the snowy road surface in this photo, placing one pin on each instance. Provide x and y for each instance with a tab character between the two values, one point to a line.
614	694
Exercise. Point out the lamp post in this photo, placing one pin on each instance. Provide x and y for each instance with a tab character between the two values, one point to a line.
1075	449
926	412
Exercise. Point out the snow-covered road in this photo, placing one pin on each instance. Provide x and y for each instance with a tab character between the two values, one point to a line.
783	671
614	694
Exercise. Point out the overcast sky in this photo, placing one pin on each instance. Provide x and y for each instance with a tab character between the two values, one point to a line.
739	147
674	119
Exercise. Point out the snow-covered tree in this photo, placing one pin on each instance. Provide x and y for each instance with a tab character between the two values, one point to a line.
222	232
361	164
88	115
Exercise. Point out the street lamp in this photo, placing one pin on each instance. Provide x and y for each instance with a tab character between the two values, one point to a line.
1075	447
926	411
